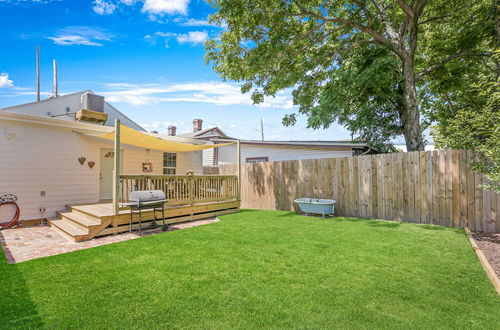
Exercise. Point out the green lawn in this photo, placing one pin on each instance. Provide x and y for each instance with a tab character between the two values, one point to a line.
259	269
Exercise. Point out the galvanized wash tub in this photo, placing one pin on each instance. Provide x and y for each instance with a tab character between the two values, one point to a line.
316	206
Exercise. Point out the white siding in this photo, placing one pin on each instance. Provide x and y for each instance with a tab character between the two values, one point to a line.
35	158
227	155
189	161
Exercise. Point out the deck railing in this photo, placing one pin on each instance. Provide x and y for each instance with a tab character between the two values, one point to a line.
183	189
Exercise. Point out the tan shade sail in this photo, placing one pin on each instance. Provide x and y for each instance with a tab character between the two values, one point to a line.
140	139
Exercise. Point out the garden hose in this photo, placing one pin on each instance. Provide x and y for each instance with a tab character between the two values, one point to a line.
9	199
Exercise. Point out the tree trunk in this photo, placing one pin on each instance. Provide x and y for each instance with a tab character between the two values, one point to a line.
411	114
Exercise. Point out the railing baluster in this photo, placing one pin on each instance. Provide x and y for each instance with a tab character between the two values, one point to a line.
182	189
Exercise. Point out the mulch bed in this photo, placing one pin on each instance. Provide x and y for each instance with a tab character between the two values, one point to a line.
489	243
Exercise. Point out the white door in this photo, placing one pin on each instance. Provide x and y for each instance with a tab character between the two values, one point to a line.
106	173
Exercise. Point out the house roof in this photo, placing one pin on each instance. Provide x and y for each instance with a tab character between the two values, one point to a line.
203	132
58	108
50	99
221	137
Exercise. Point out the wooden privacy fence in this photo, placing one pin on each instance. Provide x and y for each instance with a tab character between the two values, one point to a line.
183	189
433	187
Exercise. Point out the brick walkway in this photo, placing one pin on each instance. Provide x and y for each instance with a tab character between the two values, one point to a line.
22	244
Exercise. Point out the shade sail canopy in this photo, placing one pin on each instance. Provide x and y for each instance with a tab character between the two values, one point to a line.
140	139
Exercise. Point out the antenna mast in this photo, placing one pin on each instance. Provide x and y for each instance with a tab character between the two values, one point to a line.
262	128
38	74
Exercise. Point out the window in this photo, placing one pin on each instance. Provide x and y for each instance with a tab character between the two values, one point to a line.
169	162
257	159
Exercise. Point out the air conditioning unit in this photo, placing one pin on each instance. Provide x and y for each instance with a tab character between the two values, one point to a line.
93	102
92	109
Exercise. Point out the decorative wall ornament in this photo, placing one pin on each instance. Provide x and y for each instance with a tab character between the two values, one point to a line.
9	135
147	167
91	164
82	160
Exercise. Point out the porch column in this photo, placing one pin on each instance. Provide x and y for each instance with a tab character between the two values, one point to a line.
116	167
238	161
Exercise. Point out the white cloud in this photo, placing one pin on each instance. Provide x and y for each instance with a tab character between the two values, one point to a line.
103	7
161	7
191	22
5	82
81	35
162	126
70	39
200	92
192	37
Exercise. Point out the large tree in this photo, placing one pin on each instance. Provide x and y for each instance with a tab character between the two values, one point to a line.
367	64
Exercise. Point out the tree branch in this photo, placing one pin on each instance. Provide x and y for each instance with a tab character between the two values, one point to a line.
446	60
406	8
383	18
418	7
367	29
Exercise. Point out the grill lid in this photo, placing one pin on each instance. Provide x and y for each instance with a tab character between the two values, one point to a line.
141	196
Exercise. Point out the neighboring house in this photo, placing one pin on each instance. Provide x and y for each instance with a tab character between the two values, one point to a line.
264	151
49	159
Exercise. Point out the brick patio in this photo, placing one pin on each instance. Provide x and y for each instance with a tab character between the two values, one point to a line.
22	244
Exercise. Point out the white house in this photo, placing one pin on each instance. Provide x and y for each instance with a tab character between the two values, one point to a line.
263	151
50	156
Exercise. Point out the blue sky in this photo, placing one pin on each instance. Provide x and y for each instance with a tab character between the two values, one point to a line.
146	57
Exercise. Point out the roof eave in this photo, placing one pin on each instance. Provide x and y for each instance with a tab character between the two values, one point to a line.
53	122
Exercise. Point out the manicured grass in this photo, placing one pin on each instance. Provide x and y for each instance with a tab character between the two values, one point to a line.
260	269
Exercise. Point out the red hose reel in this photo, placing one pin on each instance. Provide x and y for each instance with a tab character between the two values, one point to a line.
10	199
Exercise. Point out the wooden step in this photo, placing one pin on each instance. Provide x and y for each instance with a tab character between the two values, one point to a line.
69	229
82	210
81	219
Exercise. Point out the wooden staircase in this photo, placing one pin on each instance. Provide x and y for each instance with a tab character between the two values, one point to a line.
77	225
84	222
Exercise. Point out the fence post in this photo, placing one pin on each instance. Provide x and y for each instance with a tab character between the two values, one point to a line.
238	161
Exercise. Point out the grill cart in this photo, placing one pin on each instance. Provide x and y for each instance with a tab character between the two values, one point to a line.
141	200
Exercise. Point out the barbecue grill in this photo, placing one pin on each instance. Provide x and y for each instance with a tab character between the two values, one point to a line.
140	200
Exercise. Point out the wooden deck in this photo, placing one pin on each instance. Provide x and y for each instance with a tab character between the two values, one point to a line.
84	222
190	197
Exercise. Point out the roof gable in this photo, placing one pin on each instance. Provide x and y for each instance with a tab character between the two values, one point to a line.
205	133
65	107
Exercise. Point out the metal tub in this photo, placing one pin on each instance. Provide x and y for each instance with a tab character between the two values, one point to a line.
316	206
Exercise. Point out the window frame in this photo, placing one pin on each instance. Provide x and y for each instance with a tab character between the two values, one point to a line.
257	159
169	168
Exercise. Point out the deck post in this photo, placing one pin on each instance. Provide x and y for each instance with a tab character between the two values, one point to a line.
238	161
116	167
